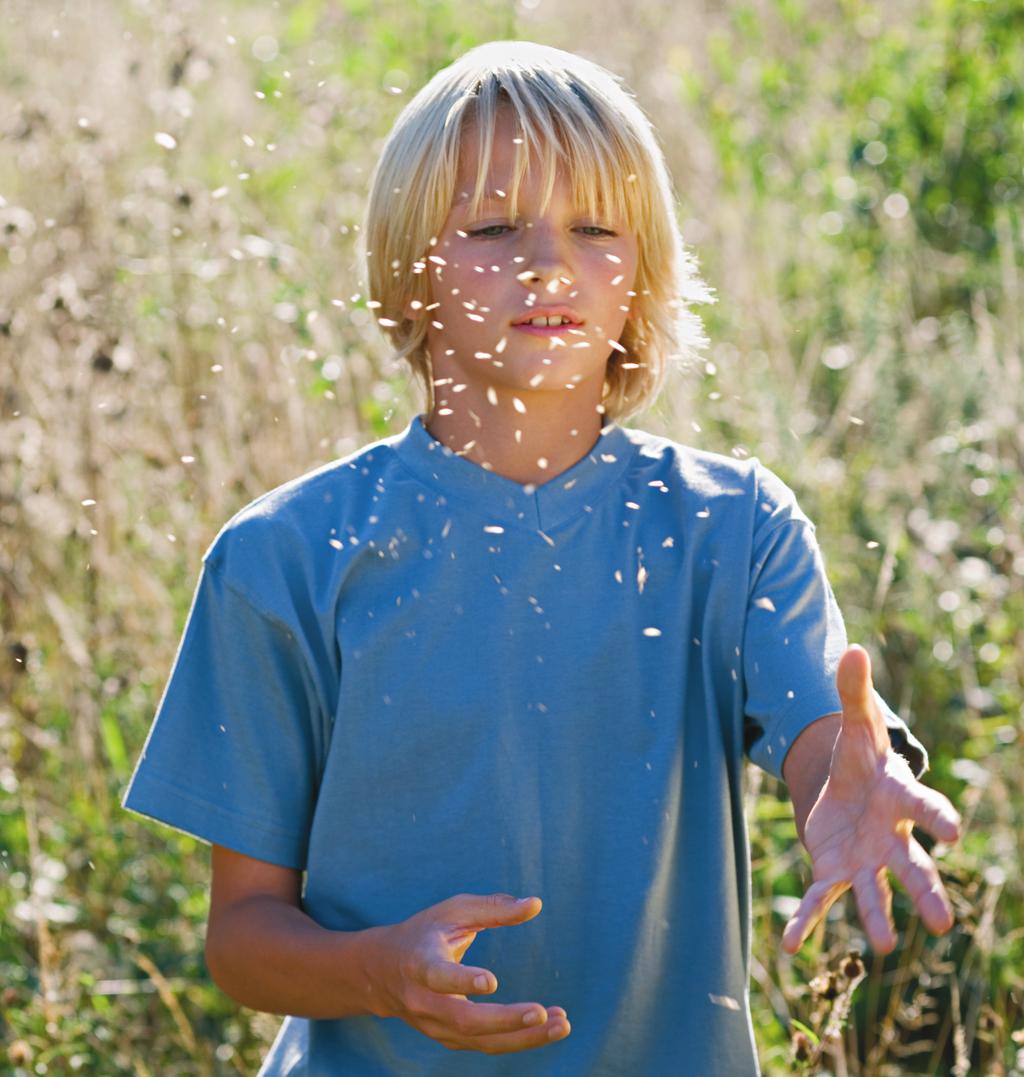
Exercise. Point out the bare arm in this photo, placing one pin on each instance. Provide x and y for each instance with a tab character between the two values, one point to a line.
807	763
267	954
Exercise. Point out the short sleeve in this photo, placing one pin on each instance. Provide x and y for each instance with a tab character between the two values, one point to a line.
237	746
794	637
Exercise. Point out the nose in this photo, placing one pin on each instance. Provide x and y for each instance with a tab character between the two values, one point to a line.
545	264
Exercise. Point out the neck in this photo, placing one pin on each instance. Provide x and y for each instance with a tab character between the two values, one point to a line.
533	446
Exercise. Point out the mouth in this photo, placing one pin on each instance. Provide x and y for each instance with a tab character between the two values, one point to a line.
557	323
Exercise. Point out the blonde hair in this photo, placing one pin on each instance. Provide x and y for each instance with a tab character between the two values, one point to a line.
569	113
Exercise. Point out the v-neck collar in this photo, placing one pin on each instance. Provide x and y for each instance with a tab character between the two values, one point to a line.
509	503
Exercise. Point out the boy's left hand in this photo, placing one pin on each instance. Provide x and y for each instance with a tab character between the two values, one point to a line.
860	827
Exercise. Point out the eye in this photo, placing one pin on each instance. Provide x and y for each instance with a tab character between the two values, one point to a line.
596	230
489	231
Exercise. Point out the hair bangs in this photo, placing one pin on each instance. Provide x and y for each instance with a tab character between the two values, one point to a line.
559	130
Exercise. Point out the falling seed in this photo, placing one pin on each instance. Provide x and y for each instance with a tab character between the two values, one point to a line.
416	305
614	258
519	437
618	575
482	355
492	396
704	513
791	694
436	259
548	539
608	458
617	280
632	505
88	501
387	323
668	543
337	543
475	317
641	578
519	405
437	325
872	545
652	632
724	1000
536	380
542	462
162	138
765	604
494	529
617	346
500	346
373	304
445	411
578	344
188	459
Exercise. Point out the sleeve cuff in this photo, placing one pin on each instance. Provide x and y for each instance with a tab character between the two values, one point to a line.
903	741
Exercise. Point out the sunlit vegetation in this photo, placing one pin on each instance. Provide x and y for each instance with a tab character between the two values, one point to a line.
182	328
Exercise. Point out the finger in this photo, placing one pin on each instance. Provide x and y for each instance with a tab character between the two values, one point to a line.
920	878
478	911
463	1019
874	905
931	811
450	978
556	1029
814	905
860	709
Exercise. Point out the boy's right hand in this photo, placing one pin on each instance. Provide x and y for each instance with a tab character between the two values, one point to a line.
419	978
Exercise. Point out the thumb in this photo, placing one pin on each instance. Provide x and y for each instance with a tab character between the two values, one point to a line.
860	709
479	911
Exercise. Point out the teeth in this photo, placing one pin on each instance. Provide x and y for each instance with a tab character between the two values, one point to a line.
542	321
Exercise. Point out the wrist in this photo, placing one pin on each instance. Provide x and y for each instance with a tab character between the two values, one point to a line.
372	958
807	765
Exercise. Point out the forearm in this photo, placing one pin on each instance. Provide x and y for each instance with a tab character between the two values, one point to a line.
269	955
807	764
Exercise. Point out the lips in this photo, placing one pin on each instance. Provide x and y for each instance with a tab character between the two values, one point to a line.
572	319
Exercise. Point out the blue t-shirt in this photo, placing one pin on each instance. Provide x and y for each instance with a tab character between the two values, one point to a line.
411	678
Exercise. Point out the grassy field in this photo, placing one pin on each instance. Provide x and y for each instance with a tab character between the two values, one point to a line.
182	328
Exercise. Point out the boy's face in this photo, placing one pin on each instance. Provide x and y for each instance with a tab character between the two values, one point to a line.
498	271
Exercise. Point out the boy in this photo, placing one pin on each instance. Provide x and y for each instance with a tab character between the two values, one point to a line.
520	650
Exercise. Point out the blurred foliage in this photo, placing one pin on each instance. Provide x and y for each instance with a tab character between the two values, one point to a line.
182	328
